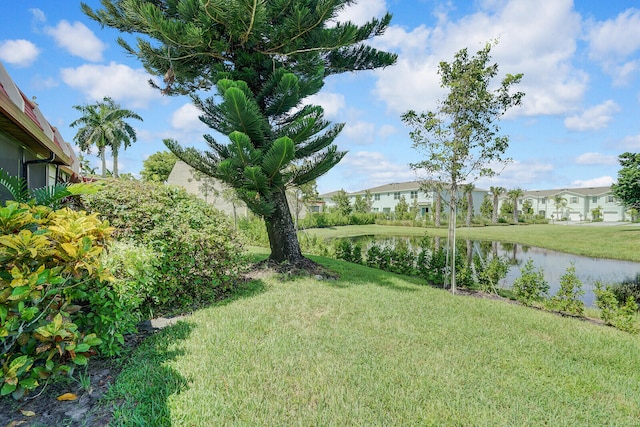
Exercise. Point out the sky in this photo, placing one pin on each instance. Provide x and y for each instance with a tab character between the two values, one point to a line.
581	66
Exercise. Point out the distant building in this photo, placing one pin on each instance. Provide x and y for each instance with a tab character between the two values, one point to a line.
31	148
386	197
577	204
220	195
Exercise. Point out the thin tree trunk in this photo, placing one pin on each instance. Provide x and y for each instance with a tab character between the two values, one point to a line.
469	208
114	152
282	234
452	234
104	163
438	211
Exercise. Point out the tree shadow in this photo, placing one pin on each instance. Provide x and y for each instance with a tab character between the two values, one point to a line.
140	394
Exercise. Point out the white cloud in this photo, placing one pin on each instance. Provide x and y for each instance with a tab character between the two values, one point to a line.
596	159
612	42
120	82
386	131
332	103
523	174
78	40
359	132
21	53
38	16
535	38
367	169
603	181
594	118
362	11
631	143
186	118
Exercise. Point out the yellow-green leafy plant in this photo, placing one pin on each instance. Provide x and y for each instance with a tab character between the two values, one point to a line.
46	257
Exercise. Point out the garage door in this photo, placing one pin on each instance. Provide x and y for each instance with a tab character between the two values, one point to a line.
611	216
574	216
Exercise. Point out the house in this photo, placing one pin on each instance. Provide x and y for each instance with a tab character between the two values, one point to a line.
386	197
221	196
31	148
574	204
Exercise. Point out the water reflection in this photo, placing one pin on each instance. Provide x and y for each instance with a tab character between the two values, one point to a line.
554	264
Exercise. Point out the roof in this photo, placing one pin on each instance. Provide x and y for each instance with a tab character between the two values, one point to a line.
586	191
22	119
388	188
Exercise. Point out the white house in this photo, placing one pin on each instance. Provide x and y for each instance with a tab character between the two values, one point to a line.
575	204
386	197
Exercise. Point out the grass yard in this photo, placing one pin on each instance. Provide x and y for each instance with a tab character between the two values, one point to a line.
599	241
373	348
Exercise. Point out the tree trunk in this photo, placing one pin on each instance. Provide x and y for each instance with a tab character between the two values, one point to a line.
494	217
283	239
438	209
515	210
453	201
104	163
469	208
115	163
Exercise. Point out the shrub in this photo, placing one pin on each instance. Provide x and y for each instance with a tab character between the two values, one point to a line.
345	250
199	253
620	317
530	287
492	271
567	300
50	267
628	288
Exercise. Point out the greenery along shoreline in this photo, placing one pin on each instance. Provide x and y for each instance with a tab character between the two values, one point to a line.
613	242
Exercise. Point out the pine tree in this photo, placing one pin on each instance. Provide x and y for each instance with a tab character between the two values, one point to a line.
261	59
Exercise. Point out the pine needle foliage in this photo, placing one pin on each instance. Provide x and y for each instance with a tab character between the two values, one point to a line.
256	61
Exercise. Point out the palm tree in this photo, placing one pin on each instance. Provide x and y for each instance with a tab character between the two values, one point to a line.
514	195
496	191
560	203
102	124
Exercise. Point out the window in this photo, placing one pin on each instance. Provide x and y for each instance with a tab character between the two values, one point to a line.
594	199
386	210
396	195
542	213
610	199
376	197
574	200
544	201
414	194
375	209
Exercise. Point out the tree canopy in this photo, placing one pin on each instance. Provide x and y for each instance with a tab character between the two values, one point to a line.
627	189
103	124
261	60
158	166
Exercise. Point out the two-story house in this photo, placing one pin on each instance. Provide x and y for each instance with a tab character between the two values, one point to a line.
386	197
574	204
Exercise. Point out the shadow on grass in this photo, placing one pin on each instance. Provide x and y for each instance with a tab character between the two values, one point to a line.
140	394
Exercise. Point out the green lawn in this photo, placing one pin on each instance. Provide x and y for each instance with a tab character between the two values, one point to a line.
374	348
615	242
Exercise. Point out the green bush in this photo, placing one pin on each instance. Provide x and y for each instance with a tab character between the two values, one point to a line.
345	250
51	268
199	254
567	299
611	313
530	287
491	272
628	288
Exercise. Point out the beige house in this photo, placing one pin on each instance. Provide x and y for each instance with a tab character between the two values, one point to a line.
574	204
30	147
219	194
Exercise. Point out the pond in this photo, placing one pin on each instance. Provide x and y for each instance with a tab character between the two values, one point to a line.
553	264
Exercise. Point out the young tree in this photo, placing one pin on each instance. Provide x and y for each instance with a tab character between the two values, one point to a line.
486	208
627	189
496	192
343	204
461	138
401	208
514	195
262	58
158	166
103	124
